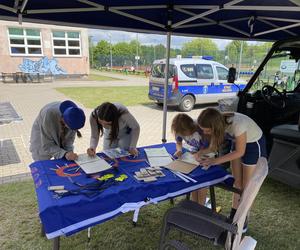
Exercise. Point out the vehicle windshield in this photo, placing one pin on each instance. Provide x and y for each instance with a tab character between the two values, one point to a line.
281	71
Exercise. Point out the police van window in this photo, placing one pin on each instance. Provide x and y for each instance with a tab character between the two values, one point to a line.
188	70
158	70
204	71
222	73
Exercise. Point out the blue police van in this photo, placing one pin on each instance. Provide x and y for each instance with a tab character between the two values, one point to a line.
191	81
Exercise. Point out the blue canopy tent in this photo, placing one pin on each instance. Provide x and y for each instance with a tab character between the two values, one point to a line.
264	20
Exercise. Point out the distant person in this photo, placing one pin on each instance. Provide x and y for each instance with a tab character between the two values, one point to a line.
231	74
53	131
132	68
117	125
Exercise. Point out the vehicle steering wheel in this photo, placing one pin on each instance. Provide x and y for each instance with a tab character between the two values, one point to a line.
267	94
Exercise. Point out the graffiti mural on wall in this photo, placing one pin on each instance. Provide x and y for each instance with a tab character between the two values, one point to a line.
43	66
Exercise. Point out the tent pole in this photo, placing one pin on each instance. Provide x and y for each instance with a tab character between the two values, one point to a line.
166	87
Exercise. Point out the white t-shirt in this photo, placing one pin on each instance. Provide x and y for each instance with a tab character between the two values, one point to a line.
240	124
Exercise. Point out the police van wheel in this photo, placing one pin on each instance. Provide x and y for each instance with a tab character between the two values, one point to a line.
159	104
187	103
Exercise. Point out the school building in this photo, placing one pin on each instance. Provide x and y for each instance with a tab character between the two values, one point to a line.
43	49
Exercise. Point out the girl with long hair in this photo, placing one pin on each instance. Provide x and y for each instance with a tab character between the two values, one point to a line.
248	144
117	125
186	129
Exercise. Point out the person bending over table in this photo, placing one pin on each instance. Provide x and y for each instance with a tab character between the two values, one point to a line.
53	131
248	144
118	127
186	129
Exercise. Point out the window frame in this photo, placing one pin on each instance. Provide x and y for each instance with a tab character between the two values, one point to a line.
194	70
25	45
66	47
218	73
206	64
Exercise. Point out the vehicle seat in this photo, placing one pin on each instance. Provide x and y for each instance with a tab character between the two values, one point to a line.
286	132
284	159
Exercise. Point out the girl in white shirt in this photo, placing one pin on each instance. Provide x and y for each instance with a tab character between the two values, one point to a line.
248	144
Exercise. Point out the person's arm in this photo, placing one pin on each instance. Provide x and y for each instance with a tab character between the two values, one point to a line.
94	135
240	147
178	152
132	123
50	130
69	141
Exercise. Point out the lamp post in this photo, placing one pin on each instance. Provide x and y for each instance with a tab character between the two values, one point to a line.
91	50
137	52
240	59
110	51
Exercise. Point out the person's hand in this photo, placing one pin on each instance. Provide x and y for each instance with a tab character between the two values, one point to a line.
207	162
198	156
70	156
91	152
178	154
134	152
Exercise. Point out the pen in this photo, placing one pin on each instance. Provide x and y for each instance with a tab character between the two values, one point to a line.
77	169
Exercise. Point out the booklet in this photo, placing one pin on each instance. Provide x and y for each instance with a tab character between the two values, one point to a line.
92	165
158	157
114	153
188	158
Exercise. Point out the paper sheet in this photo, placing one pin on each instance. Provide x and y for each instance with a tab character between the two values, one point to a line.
158	157
159	161
181	166
189	158
156	152
114	153
92	165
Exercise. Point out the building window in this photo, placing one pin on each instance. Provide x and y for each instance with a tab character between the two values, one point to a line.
66	43
25	42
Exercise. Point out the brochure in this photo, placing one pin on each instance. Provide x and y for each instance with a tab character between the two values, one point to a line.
92	165
158	157
114	153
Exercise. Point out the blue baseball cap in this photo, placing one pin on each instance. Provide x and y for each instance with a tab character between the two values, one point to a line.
74	117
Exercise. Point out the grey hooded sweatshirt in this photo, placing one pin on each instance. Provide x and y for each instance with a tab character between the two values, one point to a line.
48	137
129	131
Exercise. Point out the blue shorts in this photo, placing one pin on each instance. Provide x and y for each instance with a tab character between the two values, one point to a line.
253	151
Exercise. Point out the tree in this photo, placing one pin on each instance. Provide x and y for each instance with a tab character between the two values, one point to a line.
101	53
199	47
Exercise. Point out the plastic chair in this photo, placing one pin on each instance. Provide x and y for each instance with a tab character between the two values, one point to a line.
190	217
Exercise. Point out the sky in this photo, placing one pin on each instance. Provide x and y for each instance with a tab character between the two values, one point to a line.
145	39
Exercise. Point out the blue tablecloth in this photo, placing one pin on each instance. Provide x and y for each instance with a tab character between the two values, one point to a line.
70	214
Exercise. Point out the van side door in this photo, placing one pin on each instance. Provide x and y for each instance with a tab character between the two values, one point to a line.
205	79
187	79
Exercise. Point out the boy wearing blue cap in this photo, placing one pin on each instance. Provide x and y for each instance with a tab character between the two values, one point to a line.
53	131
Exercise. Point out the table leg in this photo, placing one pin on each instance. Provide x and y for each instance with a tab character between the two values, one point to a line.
56	244
43	234
188	196
212	198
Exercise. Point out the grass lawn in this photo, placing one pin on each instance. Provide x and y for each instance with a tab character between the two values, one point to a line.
96	77
91	97
274	222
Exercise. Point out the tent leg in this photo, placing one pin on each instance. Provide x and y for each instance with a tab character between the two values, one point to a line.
56	243
164	140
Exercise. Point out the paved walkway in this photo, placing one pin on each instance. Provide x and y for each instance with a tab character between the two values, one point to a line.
28	99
